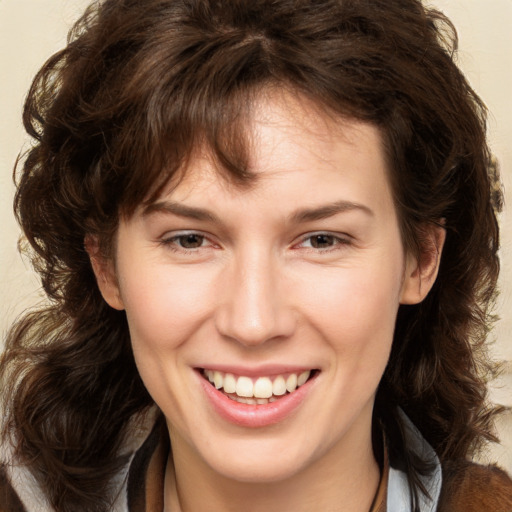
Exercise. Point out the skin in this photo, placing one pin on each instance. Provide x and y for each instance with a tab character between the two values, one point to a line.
259	289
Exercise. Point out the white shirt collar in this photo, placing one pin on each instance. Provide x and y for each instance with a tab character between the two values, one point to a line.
399	494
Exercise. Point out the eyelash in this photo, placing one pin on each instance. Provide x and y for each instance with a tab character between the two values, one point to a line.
337	241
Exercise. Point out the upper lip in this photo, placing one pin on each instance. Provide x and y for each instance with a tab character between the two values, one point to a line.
266	370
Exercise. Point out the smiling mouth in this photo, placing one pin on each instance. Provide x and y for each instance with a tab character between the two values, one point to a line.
257	391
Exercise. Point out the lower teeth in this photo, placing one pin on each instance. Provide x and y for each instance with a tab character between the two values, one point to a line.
252	401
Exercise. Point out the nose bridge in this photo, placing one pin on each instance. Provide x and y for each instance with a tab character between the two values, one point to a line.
254	309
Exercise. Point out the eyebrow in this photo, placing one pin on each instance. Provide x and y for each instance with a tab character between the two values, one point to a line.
181	210
328	210
300	216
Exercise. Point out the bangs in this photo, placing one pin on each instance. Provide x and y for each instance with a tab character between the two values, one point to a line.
172	109
220	132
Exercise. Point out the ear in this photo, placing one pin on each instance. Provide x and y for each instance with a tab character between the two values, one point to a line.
421	269
104	271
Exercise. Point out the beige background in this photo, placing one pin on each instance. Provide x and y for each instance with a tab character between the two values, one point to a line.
30	30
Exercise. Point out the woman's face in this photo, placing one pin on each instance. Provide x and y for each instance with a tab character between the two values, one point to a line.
298	276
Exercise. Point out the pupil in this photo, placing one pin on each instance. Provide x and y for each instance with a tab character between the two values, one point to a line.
320	241
191	241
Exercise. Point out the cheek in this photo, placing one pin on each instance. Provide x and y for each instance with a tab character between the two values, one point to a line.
355	309
164	305
165	308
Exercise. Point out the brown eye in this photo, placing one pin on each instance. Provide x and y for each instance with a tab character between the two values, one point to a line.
190	241
322	241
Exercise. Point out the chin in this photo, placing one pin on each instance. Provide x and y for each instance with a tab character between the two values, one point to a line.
257	472
260	463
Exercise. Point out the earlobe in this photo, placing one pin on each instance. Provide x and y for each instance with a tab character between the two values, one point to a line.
104	271
421	270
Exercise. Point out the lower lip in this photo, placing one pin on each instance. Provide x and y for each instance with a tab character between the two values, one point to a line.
255	416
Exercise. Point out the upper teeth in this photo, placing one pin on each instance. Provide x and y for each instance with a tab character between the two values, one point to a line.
262	387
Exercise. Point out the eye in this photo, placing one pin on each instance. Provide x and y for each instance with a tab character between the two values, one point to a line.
185	241
189	241
323	241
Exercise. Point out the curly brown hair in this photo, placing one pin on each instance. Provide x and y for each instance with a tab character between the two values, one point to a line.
119	111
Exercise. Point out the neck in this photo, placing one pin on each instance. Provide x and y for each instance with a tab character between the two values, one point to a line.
345	479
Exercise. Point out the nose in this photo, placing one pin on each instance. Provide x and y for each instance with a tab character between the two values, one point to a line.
254	307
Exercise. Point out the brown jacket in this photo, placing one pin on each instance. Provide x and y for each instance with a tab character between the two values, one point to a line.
470	487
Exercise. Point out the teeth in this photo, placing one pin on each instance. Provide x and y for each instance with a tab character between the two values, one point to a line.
261	391
250	401
263	388
279	386
291	382
244	387
303	377
229	383
218	380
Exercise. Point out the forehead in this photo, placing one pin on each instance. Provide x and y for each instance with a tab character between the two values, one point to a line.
287	135
285	124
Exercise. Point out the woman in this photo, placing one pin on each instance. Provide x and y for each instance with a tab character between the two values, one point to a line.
268	235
